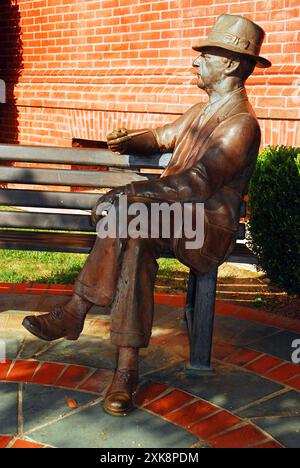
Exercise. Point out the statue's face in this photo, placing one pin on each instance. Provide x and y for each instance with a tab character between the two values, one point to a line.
211	68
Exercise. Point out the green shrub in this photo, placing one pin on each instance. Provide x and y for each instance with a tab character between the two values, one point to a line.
275	216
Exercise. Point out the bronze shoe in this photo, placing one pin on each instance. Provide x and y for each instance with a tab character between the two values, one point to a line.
60	323
119	398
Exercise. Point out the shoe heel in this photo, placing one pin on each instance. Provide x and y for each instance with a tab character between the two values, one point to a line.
73	335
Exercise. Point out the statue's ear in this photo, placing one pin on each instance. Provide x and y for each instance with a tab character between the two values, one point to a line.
233	65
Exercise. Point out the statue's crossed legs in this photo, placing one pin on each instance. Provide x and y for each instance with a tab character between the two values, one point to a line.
119	273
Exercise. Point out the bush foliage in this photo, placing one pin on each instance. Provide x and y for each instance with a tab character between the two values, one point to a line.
275	215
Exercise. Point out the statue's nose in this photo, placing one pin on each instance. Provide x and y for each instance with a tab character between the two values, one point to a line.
197	62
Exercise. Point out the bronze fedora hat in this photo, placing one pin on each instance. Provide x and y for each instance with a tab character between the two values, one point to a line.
237	34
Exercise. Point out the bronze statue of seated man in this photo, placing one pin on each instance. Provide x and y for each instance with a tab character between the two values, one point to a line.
215	148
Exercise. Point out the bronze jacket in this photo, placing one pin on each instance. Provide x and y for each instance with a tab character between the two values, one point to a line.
212	163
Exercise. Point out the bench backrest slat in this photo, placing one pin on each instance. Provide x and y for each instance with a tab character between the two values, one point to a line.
44	199
63	177
81	157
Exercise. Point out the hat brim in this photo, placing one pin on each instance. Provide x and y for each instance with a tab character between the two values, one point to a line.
261	62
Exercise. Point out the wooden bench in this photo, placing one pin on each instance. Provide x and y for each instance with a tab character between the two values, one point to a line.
21	230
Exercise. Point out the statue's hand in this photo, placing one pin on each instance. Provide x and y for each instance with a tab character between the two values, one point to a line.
107	199
118	140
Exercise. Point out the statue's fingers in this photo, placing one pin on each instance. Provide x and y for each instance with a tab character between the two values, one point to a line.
116	150
114	146
117	134
113	136
122	131
120	140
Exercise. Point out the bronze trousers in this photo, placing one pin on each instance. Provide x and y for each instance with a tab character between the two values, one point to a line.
121	273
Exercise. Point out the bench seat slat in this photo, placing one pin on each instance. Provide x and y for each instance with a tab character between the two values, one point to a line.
63	200
49	221
81	243
48	242
60	222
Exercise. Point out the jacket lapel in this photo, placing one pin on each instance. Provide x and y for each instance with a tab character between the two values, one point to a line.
225	110
196	136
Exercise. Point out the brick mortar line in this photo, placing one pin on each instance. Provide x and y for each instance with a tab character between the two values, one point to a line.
85	81
55	386
165	393
154	71
16	439
84	380
12	442
45	349
37	368
68	415
150	12
20	408
61	373
21	348
25	439
252	361
267	398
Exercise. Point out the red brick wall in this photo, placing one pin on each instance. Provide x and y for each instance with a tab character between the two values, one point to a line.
80	68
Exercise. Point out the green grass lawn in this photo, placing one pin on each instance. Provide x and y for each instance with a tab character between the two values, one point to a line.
62	268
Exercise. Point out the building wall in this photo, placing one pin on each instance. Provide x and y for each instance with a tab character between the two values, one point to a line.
80	68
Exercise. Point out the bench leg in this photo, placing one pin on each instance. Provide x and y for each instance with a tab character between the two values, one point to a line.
200	313
190	302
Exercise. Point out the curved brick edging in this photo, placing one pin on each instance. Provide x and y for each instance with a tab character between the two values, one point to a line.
67	376
210	423
262	364
258	316
173	300
213	425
